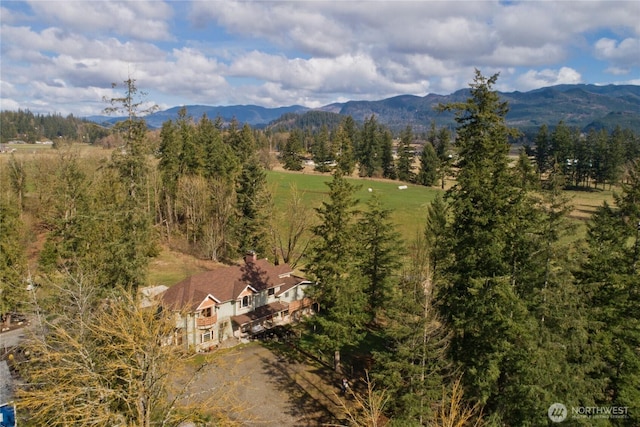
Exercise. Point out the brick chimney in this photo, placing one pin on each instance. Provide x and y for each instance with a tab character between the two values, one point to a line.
250	257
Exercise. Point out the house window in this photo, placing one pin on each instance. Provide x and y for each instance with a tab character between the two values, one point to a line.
206	312
286	294
206	337
246	301
271	291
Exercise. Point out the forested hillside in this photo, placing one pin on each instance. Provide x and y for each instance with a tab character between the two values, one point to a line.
28	127
498	308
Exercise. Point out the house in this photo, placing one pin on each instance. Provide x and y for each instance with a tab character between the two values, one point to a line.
235	302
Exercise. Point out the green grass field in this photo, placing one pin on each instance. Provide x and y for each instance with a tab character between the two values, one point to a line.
408	206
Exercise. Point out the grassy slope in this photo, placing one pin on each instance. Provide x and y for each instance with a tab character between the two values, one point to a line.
408	206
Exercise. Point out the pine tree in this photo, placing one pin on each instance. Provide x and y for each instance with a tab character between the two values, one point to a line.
379	253
291	154
320	150
253	208
413	363
405	156
610	276
443	151
130	254
192	153
339	291
489	321
369	153
543	150
386	155
428	174
345	160
69	244
169	153
221	163
562	145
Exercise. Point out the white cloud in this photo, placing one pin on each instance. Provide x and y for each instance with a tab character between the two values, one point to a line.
625	53
533	79
144	20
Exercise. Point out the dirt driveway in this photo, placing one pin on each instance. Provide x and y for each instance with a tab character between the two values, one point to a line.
275	390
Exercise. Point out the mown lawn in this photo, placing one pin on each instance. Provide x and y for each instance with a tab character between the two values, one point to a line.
408	206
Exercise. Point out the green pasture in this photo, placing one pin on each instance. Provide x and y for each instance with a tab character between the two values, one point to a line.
408	206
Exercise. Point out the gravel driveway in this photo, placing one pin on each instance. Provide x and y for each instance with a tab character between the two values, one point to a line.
272	390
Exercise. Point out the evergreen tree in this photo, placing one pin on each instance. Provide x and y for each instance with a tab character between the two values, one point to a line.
386	155
562	145
191	154
18	179
130	255
489	320
405	156
369	149
353	134
615	158
610	276
69	244
320	150
253	208
291	154
379	253
428	174
169	153
345	159
340	291
543	150
443	151
412	364
240	140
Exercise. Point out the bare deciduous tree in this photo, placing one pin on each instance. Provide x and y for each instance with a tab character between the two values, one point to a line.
113	367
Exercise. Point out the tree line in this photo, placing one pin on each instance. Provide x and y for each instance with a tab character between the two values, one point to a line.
25	126
494	294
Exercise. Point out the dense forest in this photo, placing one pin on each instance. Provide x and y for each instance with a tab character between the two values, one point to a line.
496	311
28	127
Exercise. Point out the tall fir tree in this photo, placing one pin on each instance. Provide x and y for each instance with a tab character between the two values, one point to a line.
369	149
169	153
428	174
292	152
253	208
413	363
379	254
405	156
320	150
131	254
489	321
340	291
610	277
346	162
543	150
386	155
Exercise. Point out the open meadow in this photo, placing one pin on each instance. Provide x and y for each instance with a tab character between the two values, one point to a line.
408	206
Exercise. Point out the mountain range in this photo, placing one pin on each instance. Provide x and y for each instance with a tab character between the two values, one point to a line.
582	106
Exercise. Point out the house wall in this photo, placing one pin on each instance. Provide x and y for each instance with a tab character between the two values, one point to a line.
294	294
223	330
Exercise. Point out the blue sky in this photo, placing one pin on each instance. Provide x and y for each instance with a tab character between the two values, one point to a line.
62	56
